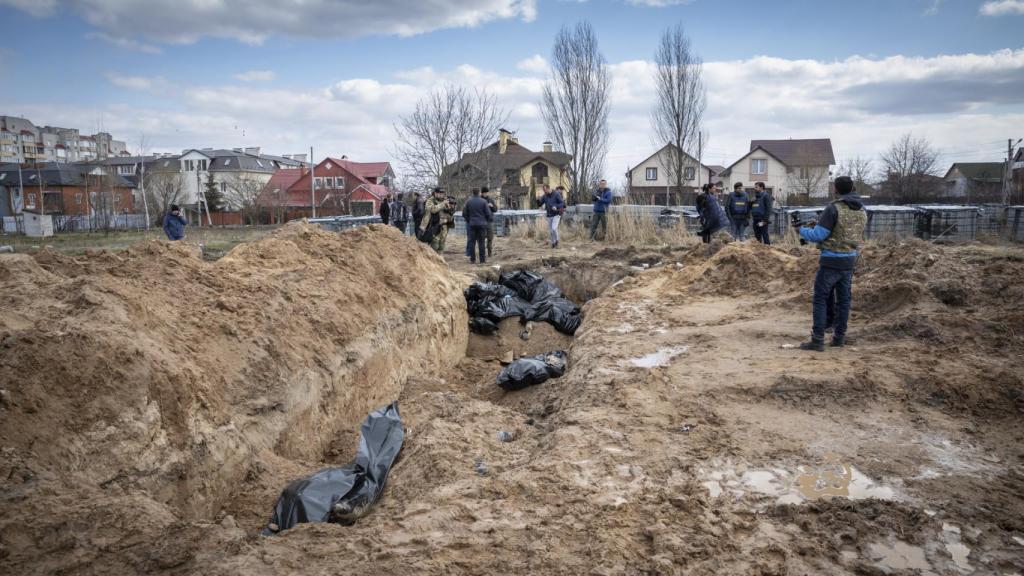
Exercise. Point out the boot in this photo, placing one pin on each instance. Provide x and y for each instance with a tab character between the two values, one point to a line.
816	344
839	341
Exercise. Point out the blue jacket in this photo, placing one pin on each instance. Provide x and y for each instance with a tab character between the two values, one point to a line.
553	203
477	212
762	208
602	198
174	226
711	214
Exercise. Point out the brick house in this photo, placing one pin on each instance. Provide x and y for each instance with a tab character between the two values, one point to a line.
342	187
66	189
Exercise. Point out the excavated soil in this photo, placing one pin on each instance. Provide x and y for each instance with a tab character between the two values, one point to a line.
162	402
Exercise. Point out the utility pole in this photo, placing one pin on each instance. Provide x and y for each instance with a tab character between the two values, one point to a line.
1008	173
312	182
142	187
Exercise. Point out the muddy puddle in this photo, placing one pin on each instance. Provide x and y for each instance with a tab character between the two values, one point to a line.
831	477
661	357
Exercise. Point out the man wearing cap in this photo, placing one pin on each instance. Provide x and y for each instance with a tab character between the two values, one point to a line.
838	235
174	224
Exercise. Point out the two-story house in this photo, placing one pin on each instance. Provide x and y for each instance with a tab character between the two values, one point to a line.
654	181
788	168
975	180
342	187
512	171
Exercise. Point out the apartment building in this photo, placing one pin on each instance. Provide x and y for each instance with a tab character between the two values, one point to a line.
22	142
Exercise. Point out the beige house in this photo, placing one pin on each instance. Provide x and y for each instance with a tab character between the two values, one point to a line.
515	173
789	168
653	181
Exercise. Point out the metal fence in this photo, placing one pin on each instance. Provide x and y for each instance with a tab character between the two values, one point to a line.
946	223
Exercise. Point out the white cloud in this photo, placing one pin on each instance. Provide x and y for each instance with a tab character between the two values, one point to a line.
1002	8
125	43
535	64
37	8
933	8
251	21
862	104
140	83
256	76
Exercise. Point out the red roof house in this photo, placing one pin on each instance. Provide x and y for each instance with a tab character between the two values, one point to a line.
342	186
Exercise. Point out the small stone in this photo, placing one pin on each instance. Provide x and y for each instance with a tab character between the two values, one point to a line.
5	397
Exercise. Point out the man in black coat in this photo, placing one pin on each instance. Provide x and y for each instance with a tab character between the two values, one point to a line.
385	209
477	214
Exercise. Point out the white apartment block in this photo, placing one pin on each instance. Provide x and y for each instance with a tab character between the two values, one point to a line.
22	142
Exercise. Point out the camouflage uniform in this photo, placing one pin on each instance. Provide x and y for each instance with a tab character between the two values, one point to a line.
437	206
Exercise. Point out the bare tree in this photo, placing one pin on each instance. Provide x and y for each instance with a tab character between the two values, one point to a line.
446	125
104	200
679	110
163	189
808	181
861	170
575	104
910	165
243	194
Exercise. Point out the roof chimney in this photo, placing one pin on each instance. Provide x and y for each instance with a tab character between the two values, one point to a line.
547	146
254	151
503	136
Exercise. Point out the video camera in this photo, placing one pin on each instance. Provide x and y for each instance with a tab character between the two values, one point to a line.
451	204
797	222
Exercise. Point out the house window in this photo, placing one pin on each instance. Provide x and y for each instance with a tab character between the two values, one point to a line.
318	183
805	173
227	161
30	200
223	186
689	172
759	166
339	182
652	174
78	198
189	166
202	165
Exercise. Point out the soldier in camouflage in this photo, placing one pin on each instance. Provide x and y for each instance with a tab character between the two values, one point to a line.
437	217
838	235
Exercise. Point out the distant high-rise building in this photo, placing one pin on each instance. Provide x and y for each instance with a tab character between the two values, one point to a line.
22	142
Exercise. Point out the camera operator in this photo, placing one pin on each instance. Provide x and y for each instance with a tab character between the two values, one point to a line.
838	235
439	217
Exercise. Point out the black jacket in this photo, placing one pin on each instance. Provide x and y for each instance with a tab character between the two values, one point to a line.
385	211
477	212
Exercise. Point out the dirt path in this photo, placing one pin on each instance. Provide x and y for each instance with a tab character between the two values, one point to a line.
687	437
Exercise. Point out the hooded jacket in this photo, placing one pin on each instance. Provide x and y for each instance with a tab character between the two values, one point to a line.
174	226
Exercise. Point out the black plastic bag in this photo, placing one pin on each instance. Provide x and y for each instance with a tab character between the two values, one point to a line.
489	304
559	312
532	370
481	325
344	494
523	282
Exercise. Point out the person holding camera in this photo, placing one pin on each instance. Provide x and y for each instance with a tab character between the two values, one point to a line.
737	206
712	217
838	235
478	216
438	217
602	198
760	212
174	224
554	206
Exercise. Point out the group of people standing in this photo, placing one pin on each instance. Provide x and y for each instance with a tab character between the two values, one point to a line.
740	211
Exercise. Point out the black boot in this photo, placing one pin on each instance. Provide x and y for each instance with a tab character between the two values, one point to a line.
839	341
816	344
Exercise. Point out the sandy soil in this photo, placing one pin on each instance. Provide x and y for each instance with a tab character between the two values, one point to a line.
687	437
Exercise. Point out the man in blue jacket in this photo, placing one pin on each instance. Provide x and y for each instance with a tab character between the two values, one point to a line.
838	235
712	216
760	212
174	224
737	206
602	198
478	216
554	207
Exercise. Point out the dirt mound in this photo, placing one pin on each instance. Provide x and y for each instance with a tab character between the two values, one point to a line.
736	268
151	383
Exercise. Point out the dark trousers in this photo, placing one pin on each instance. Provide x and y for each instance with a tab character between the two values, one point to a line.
827	283
598	219
761	231
478	241
490	240
739	228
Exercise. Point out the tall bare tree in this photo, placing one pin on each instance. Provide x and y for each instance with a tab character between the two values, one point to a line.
446	125
163	188
808	181
861	170
575	104
679	110
909	164
243	193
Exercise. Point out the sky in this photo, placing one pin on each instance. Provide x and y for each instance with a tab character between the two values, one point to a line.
167	75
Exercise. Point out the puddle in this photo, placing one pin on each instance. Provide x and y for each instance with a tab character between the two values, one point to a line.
832	478
899	556
957	550
660	358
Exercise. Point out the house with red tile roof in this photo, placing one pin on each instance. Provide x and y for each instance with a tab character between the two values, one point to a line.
342	187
